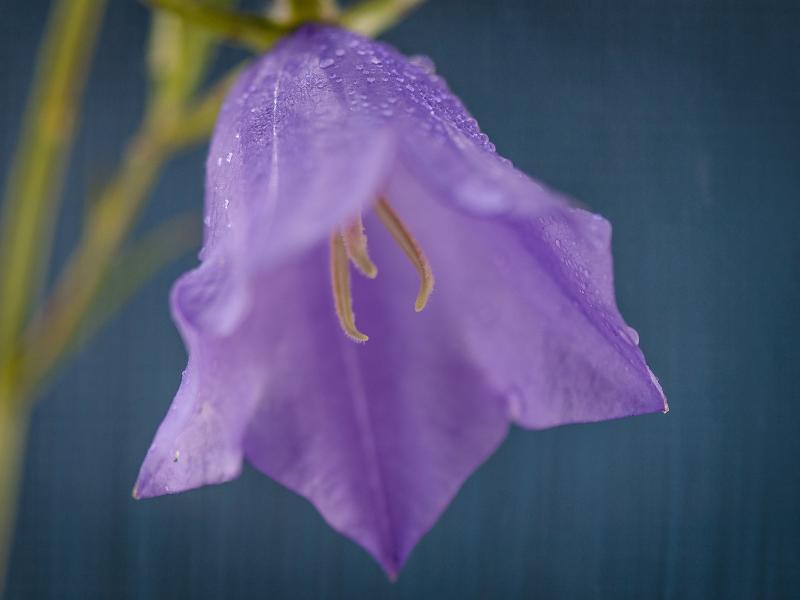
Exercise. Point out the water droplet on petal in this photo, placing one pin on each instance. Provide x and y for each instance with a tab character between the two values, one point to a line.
424	63
326	62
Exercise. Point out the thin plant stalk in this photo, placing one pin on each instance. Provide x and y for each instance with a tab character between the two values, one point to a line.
13	431
37	174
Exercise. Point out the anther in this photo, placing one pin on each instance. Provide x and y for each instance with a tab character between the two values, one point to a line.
355	241
340	281
406	241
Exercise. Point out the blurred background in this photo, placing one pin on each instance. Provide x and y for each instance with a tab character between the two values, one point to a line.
679	120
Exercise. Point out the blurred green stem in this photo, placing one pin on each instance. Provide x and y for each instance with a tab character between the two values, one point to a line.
13	430
108	224
106	228
298	11
253	31
37	173
371	17
30	211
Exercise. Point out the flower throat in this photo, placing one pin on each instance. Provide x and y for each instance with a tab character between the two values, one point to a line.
349	244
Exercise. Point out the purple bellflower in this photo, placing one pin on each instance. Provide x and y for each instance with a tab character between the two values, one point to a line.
522	327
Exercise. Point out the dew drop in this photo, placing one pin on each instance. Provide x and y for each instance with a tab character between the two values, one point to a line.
424	63
340	52
326	62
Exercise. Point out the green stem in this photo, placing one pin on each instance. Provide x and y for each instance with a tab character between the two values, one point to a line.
37	172
253	31
104	233
299	11
164	243
108	225
371	17
13	430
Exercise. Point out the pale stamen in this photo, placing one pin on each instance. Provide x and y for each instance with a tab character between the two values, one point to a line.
403	237
355	241
340	280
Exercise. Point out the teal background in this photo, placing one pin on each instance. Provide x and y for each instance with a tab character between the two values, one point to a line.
677	119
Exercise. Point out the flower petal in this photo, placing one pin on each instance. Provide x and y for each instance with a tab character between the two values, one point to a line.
199	441
379	436
534	302
286	165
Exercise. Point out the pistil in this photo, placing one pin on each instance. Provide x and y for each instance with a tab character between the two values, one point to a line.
340	282
349	244
409	245
355	241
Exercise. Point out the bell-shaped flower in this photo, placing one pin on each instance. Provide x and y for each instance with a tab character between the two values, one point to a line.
342	178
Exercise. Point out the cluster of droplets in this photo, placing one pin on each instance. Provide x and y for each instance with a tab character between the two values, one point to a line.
574	244
389	85
365	77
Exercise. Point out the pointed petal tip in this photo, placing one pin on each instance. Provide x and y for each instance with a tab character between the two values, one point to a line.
142	489
391	565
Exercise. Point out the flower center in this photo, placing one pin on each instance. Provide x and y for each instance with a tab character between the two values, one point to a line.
349	244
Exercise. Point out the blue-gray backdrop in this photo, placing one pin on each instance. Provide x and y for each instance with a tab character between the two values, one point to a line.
677	119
